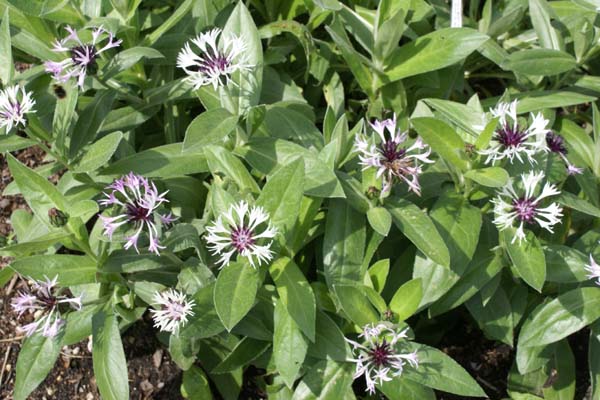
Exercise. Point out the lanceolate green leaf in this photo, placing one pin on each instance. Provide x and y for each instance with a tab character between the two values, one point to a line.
295	293
419	229
327	380
407	298
527	257
439	371
69	269
356	304
443	139
540	62
99	153
246	93
235	292
36	358
90	120
557	319
344	243
6	62
289	345
222	161
433	51
282	195
110	366
40	194
210	127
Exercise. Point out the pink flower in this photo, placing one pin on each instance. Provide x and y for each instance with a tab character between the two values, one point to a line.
139	203
82	56
43	299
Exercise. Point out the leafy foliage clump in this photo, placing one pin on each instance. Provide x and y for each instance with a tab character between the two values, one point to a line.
305	187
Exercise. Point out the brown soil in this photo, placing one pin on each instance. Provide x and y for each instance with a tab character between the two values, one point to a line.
486	360
152	374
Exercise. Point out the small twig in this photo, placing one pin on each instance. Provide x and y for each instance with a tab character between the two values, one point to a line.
73	356
487	384
13	339
4	363
11	285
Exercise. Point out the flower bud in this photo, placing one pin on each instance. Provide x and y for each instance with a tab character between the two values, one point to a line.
57	218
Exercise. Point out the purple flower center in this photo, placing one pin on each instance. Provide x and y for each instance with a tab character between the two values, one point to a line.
84	56
525	209
390	151
212	62
175	310
556	143
510	137
136	213
380	354
241	238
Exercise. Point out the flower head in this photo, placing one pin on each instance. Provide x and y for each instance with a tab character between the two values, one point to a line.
556	145
244	231
82	56
216	59
526	208
514	141
593	270
378	357
174	310
15	102
391	157
139	202
44	300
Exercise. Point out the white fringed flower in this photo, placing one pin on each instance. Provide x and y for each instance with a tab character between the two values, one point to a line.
513	141
526	209
239	231
378	357
15	102
82	56
593	270
219	56
43	299
175	308
391	157
140	205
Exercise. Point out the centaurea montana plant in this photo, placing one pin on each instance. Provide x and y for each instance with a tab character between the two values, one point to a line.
244	231
82	59
512	140
378	357
139	204
391	156
215	58
525	206
43	300
15	103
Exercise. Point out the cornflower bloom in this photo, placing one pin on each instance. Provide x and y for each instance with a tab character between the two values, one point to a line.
43	300
15	102
377	357
391	157
82	56
556	145
514	141
139	201
239	231
174	310
216	60
526	209
593	270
